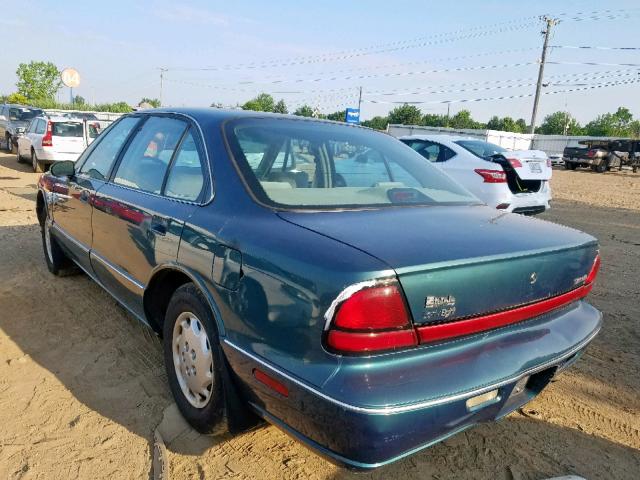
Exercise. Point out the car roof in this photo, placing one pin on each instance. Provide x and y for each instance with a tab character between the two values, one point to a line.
439	137
219	115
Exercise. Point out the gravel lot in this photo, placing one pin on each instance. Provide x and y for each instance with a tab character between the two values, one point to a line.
82	385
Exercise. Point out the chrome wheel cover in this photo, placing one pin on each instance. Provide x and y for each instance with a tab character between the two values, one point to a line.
193	359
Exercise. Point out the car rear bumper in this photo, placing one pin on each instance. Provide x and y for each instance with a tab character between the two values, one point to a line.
369	414
51	156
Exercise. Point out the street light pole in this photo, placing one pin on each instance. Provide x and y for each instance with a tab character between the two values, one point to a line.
162	70
547	33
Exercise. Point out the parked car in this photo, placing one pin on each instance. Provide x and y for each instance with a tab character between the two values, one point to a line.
14	120
52	139
513	181
367	321
556	160
603	155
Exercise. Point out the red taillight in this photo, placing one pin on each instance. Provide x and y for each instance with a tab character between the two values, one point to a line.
548	163
492	176
591	153
515	163
372	319
593	273
47	140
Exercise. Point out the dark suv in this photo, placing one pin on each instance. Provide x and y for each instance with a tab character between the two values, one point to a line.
14	120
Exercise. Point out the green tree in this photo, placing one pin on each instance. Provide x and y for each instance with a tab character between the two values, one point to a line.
618	124
78	100
17	98
405	115
262	103
555	124
336	116
154	102
434	120
463	119
280	107
38	80
522	124
379	123
304	111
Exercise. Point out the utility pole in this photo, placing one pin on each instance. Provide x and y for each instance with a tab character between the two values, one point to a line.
359	100
162	70
448	111
547	33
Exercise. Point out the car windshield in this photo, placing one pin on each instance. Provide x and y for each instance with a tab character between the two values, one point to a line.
484	150
66	129
23	114
303	164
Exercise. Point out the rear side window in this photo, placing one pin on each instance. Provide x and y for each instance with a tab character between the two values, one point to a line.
41	127
147	158
66	129
432	151
186	178
103	155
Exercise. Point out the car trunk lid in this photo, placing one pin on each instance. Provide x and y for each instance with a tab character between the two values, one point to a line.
68	137
529	164
459	262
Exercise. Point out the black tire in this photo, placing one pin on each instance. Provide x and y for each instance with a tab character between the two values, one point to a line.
35	163
57	261
11	148
212	418
567	165
7	142
601	168
18	157
573	166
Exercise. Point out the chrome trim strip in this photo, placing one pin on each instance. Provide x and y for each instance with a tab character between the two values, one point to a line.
117	270
423	404
64	233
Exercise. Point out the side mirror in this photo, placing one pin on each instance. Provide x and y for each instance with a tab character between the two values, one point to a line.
63	169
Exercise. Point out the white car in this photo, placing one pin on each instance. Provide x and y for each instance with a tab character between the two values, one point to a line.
514	181
52	139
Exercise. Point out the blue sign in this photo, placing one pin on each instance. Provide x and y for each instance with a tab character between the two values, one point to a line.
352	115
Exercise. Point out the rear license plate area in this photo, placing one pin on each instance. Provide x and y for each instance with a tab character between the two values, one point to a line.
535	167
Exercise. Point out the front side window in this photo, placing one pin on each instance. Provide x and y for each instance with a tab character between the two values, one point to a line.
315	165
23	114
186	177
147	158
480	149
102	156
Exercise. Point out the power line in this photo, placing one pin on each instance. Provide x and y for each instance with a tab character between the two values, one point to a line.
589	47
599	64
508	97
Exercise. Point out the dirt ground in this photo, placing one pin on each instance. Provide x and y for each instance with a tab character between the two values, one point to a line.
82	385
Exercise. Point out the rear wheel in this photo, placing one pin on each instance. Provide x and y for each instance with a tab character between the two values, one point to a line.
35	163
7	142
194	361
600	168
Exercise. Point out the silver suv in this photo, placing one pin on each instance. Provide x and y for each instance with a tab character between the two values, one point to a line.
14	120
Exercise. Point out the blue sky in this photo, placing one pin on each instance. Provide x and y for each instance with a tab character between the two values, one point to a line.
117	46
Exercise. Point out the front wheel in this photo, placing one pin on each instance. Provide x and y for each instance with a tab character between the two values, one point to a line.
57	261
601	168
194	361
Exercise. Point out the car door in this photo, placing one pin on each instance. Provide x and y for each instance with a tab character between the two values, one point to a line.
39	130
24	141
140	213
72	207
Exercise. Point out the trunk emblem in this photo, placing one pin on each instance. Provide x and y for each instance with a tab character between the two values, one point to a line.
533	278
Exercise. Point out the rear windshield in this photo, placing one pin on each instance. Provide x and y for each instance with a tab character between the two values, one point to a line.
484	150
66	129
23	114
300	164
